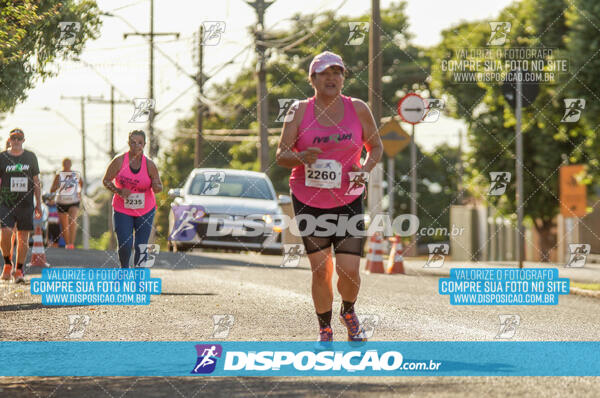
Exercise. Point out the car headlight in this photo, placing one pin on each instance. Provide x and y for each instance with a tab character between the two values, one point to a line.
268	219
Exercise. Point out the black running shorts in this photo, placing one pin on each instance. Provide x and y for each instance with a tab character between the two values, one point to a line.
22	216
346	243
65	208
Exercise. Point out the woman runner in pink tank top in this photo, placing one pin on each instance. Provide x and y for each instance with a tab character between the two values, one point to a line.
322	142
133	178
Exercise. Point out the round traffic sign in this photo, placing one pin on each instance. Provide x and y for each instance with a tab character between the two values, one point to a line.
411	108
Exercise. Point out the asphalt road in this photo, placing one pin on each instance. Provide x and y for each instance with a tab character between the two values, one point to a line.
270	303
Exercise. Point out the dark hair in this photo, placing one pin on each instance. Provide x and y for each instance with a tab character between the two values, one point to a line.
7	144
138	132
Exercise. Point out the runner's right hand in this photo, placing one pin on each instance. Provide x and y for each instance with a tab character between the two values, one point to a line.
125	193
310	155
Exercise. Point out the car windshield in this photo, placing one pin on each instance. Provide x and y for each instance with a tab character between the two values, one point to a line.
218	183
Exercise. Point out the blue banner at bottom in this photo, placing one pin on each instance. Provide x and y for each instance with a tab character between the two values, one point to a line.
250	358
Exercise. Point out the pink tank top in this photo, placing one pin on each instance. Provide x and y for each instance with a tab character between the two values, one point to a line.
141	200
342	143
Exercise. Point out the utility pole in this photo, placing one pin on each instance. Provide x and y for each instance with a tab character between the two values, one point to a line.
112	242
200	105
376	180
375	62
83	162
153	144
519	167
86	219
413	188
111	152
261	88
111	102
460	196
390	185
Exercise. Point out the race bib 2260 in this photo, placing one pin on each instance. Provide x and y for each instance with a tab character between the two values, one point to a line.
324	173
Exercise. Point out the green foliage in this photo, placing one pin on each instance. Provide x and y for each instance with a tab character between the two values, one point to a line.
404	67
583	19
535	23
101	243
29	37
547	143
461	98
437	187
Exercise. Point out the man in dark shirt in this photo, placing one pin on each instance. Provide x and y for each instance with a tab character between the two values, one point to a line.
19	181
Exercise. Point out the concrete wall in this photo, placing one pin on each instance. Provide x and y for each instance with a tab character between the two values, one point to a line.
589	230
464	247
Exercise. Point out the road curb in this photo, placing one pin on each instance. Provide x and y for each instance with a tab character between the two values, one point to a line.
584	292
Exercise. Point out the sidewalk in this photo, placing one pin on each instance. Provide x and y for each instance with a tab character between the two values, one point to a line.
588	274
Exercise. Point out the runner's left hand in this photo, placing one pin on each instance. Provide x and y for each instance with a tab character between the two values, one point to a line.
38	211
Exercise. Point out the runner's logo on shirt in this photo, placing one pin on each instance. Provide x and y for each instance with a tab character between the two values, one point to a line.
17	167
333	138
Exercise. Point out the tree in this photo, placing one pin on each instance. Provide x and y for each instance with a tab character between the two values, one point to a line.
491	119
582	19
29	41
437	187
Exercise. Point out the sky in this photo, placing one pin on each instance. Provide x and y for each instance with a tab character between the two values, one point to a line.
52	122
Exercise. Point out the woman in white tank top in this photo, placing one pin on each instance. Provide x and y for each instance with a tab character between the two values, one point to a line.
67	186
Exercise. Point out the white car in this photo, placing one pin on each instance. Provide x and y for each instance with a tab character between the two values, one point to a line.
227	209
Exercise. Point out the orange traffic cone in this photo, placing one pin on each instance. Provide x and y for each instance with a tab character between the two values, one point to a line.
375	255
38	254
395	263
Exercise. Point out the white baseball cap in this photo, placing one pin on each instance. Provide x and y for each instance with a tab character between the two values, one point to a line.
323	61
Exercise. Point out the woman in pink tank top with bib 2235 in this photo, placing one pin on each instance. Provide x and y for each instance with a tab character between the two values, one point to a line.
322	141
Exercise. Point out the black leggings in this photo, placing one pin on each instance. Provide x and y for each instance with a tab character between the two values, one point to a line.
347	244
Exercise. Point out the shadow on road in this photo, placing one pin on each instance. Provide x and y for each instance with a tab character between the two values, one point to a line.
33	306
76	387
188	294
164	260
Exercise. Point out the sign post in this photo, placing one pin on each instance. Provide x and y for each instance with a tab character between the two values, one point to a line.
515	92
411	109
394	140
521	230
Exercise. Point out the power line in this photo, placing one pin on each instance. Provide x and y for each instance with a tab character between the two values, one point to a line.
155	45
184	39
110	83
151	139
128	5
